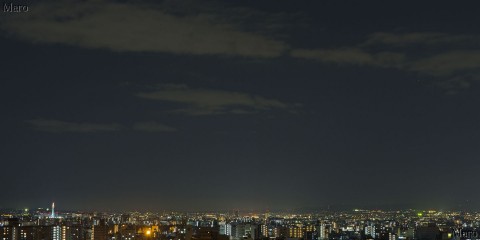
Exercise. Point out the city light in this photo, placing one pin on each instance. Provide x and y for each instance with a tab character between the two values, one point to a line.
236	225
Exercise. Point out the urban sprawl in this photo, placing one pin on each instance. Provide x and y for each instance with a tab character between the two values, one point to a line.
356	224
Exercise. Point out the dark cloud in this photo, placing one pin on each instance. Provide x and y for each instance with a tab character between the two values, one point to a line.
176	28
448	63
62	126
210	102
137	28
451	68
354	56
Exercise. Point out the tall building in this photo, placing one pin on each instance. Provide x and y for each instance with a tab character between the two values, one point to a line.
370	231
335	227
222	228
100	231
238	232
229	228
53	210
72	232
295	232
55	232
322	231
9	233
251	231
264	230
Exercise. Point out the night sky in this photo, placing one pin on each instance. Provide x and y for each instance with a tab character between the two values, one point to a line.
211	105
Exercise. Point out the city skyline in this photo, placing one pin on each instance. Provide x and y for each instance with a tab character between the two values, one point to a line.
216	105
356	224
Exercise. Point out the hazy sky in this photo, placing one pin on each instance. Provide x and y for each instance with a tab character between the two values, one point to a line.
196	105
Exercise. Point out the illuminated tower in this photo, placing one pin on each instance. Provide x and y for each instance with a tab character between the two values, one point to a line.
53	210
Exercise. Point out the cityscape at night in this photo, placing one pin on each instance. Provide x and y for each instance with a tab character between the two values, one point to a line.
355	224
239	120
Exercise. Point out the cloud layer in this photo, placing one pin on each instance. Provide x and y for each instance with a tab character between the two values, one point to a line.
136	28
445	60
127	27
355	56
209	101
